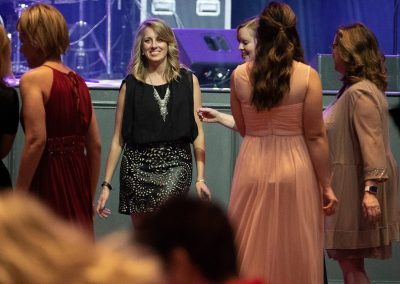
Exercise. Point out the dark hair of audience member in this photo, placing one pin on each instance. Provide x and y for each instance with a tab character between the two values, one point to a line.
199	227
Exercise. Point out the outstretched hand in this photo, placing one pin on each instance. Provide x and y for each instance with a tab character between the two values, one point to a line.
330	201
207	114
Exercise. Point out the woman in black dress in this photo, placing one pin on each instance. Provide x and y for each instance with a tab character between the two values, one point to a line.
9	109
155	124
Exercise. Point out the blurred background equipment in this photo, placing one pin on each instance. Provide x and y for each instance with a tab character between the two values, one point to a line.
211	53
102	31
189	14
83	41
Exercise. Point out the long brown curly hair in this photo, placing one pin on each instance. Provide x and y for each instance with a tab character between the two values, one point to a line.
359	50
278	44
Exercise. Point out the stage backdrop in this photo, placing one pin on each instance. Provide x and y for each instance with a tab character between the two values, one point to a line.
317	22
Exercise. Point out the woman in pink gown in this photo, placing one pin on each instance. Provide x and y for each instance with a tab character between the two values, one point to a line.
61	155
282	173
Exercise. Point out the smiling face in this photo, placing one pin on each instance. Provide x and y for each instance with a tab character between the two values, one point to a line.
154	48
247	43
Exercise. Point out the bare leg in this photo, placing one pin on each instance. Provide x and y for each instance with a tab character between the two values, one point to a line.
353	271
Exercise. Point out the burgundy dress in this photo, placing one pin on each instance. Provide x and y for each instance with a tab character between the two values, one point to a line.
62	178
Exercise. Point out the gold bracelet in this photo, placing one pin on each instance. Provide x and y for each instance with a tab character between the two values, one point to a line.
201	180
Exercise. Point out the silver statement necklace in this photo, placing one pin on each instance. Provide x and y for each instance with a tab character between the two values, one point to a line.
162	103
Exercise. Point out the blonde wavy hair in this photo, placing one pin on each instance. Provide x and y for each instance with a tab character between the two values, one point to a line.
5	54
138	65
38	247
46	29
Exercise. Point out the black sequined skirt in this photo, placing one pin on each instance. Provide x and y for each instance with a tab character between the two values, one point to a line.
152	174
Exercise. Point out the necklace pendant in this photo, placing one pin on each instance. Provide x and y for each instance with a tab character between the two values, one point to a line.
162	103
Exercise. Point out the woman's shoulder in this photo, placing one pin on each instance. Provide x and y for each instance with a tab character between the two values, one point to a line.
305	68
365	90
129	77
40	73
186	72
244	67
365	87
184	69
243	71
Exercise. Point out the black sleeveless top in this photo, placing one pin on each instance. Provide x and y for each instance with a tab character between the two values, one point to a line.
142	122
9	118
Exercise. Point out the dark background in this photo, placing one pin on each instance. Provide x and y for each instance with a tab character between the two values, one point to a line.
317	22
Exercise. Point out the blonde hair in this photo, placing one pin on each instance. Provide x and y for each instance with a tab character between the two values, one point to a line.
46	29
37	247
5	54
138	64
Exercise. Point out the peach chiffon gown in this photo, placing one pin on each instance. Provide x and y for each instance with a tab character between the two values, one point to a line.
276	203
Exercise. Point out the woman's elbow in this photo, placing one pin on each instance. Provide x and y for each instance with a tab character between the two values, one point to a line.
36	143
94	148
315	136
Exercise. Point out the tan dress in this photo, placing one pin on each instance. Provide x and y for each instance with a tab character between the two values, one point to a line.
276	204
357	125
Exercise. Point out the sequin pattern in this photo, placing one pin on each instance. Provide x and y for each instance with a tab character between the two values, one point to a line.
152	174
377	174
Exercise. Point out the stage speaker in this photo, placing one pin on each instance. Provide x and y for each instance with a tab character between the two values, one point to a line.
330	79
189	13
212	54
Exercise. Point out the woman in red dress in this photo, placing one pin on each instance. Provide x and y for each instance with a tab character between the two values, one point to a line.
61	155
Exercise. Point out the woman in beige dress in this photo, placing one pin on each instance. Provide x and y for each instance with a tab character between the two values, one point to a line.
365	175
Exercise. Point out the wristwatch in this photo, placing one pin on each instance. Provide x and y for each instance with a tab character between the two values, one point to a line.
371	189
